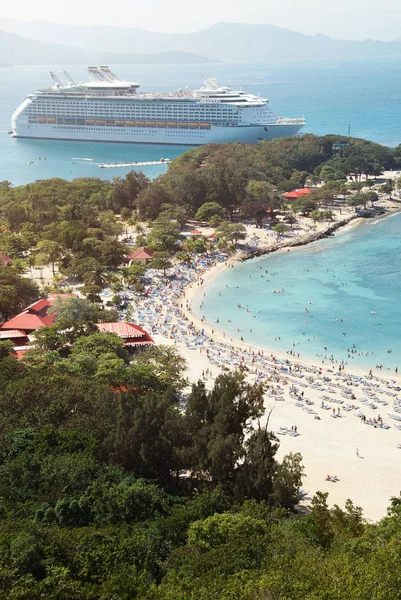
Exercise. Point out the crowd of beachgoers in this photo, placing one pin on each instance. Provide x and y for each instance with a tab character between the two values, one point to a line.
165	310
356	409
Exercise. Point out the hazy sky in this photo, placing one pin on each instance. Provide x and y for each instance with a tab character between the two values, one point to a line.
352	19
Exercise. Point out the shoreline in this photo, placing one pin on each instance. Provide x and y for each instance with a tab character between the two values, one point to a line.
217	333
320	400
302	392
307	239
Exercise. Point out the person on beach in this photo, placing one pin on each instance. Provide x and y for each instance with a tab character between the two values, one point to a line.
357	452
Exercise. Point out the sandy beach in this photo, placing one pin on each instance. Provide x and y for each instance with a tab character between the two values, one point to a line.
343	422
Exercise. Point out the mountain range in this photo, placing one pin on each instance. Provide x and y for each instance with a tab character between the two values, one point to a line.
223	41
18	50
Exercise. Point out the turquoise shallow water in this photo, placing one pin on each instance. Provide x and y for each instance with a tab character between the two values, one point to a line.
330	94
348	277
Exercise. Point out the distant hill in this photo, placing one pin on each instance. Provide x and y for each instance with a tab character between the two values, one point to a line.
167	58
223	41
18	50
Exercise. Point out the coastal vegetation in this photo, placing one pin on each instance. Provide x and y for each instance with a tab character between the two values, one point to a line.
112	487
78	226
118	480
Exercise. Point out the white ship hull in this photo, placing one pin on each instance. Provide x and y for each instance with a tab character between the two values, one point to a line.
251	134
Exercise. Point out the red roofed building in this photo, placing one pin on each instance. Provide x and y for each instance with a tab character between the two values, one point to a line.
140	255
16	336
34	316
5	261
19	328
295	194
132	335
31	318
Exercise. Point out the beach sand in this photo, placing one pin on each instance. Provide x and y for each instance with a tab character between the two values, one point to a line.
328	444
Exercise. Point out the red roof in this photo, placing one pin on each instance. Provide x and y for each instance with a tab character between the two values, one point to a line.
31	318
297	193
5	260
133	334
141	253
35	315
12	334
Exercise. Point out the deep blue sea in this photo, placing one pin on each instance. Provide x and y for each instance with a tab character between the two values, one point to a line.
350	286
365	94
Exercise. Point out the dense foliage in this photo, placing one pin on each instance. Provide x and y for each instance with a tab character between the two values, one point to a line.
115	485
116	481
104	467
71	224
247	179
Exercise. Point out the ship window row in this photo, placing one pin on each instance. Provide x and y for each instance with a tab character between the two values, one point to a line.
187	134
159	110
49	119
104	123
96	107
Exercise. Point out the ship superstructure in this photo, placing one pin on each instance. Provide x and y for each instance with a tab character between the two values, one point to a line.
107	108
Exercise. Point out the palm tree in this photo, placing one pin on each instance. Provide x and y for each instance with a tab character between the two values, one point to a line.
31	262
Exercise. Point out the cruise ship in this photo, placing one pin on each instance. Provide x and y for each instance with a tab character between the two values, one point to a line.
109	109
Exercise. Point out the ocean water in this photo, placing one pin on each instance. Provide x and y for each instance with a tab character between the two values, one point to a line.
350	284
331	94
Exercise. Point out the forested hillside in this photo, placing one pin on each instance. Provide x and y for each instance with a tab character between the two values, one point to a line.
118	480
121	491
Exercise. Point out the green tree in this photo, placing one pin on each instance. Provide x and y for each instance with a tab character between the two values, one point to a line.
77	312
171	212
232	232
288	480
260	196
151	199
98	344
161	261
304	205
91	292
209	211
164	236
126	190
216	423
16	292
167	364
88	270
49	252
388	187
133	275
290	219
281	229
52	338
371	197
316	215
6	349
